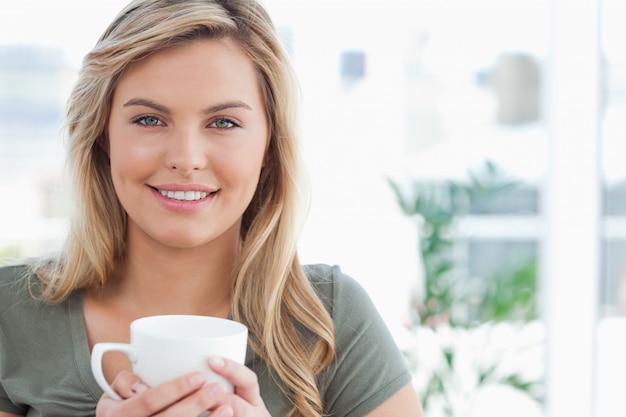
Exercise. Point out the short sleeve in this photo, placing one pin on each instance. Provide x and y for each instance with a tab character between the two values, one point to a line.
6	404
369	367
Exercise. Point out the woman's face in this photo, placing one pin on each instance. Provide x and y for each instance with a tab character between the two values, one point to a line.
187	141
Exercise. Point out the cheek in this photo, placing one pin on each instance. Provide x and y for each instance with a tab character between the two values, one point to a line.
128	152
121	162
241	173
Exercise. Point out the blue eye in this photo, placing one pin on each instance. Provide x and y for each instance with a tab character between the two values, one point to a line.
224	124
148	121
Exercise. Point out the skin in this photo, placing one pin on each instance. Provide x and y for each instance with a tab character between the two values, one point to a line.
187	118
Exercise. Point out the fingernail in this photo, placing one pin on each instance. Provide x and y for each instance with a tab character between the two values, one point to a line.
217	362
138	387
197	379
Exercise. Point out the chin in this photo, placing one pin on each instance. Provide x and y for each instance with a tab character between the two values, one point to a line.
185	243
180	240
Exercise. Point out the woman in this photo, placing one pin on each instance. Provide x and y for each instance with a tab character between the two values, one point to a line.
182	148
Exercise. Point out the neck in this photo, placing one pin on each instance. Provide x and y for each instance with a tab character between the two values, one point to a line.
155	279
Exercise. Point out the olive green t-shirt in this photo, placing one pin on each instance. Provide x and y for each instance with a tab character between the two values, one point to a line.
45	363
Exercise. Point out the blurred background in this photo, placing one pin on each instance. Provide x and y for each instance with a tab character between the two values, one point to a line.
466	163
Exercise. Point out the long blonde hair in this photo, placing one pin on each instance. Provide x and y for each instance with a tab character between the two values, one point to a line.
271	293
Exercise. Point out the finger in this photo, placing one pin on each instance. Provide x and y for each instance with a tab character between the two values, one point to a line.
160	397
244	379
139	388
235	405
223	411
199	403
127	384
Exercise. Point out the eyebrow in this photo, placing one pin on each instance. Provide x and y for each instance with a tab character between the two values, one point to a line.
164	109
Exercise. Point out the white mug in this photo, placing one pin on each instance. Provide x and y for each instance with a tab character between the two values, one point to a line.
165	347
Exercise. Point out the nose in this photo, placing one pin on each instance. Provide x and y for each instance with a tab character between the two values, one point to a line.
185	152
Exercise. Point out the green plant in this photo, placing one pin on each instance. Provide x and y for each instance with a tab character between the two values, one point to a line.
510	295
505	296
438	206
457	365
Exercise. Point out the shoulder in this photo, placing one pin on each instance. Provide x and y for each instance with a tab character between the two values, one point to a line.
334	287
19	287
14	282
368	368
9	273
348	303
22	312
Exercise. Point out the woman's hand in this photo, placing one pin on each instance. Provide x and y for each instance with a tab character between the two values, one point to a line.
187	396
183	396
246	400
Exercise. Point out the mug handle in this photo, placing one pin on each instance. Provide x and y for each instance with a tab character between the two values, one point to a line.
98	352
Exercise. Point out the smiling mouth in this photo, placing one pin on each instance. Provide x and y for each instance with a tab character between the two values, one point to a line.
185	195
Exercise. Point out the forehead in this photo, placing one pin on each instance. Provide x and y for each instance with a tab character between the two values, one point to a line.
215	66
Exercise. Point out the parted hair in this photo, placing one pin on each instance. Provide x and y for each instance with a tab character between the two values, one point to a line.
271	293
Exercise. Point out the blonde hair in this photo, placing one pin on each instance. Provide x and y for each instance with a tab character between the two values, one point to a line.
271	293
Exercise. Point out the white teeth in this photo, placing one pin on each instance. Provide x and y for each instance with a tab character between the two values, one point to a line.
184	195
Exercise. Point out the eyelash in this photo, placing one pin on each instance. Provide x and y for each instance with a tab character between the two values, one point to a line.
231	122
141	120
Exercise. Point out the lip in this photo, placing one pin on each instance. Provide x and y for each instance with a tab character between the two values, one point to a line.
185	187
183	206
